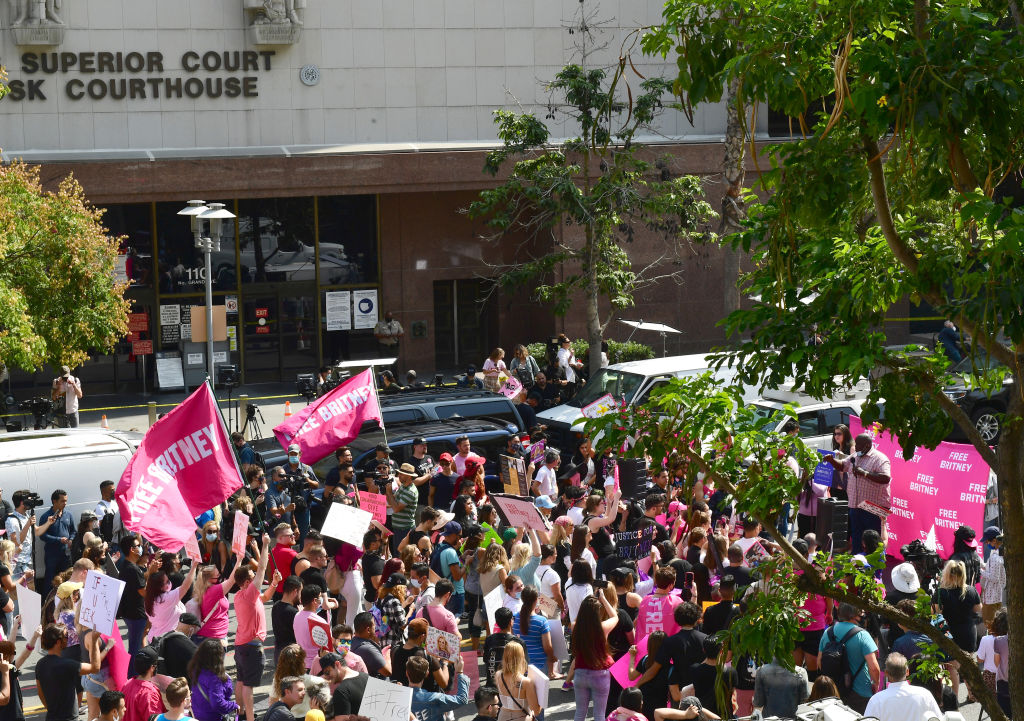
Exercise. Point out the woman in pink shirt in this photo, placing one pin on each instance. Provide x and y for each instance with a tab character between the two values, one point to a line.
820	610
163	603
213	602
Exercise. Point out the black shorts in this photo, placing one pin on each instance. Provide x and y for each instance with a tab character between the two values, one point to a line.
249	664
811	641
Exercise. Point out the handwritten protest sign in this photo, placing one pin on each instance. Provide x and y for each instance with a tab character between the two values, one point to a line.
30	604
320	632
634	545
441	644
240	531
347	524
375	503
192	549
385	701
518	512
100	598
547	606
511	388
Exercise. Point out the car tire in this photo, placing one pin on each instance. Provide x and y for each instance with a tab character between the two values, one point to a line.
989	423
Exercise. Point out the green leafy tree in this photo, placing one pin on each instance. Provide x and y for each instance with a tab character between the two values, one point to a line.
899	189
582	201
58	297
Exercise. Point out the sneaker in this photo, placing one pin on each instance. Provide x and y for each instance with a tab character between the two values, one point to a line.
567	686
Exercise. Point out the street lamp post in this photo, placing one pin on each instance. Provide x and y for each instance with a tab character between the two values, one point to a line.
215	213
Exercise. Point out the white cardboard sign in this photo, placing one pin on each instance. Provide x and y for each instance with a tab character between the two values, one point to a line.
385	701
347	524
100	598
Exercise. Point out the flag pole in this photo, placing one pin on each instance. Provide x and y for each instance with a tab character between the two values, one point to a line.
376	395
261	524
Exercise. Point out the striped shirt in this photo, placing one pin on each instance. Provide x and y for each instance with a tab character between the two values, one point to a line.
406	518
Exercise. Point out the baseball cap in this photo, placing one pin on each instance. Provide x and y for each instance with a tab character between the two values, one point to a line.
294	447
65	371
190	619
395	579
446	458
145	659
992	533
544	502
967	536
450	528
419	441
383	448
65	589
904	578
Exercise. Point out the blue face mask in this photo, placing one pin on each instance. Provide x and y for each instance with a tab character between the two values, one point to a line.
293	458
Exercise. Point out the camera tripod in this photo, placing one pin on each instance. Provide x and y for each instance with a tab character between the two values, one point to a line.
251	411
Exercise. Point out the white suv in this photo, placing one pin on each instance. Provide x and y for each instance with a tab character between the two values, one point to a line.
816	418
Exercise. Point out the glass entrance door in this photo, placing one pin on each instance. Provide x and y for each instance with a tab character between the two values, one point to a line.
280	335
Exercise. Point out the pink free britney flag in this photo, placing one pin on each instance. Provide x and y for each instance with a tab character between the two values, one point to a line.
334	420
184	467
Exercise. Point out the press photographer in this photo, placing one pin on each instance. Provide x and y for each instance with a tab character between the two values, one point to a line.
300	480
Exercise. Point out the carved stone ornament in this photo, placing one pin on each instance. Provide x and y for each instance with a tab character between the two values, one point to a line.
274	22
37	22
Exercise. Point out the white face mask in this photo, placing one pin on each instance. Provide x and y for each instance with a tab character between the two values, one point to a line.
414	582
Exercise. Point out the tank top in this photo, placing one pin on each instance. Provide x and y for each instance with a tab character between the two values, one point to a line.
600	540
630	611
511	707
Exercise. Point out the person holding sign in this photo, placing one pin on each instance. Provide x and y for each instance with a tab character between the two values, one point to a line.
869	483
251	626
403	503
432	705
163	603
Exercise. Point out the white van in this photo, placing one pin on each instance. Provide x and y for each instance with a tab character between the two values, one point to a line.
631	382
76	460
817	418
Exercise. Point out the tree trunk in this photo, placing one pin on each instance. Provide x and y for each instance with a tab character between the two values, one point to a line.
733	172
591	308
1011	503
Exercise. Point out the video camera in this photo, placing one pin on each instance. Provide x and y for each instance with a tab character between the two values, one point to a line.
40	408
926	562
305	386
33	500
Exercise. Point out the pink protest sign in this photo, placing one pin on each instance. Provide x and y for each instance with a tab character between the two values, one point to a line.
932	493
519	512
192	549
620	669
239	532
471	662
375	503
511	388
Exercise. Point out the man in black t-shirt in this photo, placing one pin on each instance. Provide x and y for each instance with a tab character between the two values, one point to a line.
347	687
704	679
417	637
54	674
682	649
373	564
283	613
425	467
494	646
721	615
132	607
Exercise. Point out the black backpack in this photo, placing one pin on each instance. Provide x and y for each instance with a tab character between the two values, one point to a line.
835	662
107	527
157	645
435	559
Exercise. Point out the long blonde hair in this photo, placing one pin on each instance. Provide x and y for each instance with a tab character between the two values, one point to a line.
494	556
521	555
954	577
513	661
560	532
7	549
204	579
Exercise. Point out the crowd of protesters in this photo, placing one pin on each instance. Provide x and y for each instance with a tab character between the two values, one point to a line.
647	579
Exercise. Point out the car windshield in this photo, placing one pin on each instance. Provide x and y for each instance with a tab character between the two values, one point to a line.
769	415
622	386
980	361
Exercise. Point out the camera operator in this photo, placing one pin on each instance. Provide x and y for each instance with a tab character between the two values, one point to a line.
379	469
301	481
71	388
278	499
323	380
19	526
246	455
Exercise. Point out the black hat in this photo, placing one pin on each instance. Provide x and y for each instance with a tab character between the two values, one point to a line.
329	659
145	659
395	579
419	441
190	619
384	448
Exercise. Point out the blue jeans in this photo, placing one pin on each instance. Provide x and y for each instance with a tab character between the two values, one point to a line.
136	635
457	604
591	686
860	521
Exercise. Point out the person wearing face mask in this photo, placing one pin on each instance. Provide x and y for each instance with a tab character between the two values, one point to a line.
213	550
132	606
164	604
512	593
311	601
299	475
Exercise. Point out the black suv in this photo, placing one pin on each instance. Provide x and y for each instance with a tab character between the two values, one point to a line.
986	412
487	438
441	403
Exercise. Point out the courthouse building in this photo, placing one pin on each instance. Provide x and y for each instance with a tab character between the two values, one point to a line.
347	136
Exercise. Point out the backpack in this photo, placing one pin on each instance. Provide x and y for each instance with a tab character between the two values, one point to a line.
257	458
157	645
435	560
380	619
834	660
